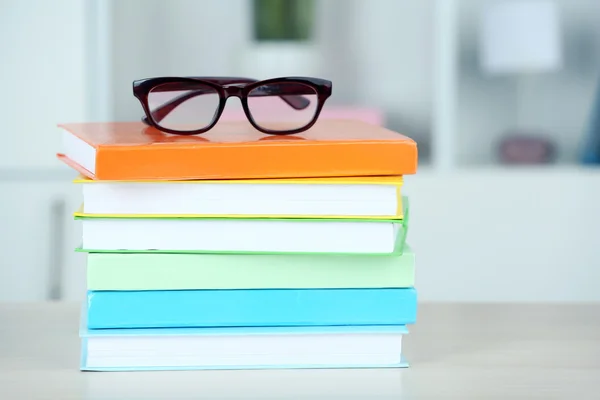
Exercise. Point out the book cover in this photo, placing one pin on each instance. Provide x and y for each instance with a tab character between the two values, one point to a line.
235	150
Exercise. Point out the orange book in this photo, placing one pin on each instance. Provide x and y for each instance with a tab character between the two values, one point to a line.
235	150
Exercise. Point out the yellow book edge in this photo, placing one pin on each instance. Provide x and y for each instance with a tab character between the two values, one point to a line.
399	215
359	180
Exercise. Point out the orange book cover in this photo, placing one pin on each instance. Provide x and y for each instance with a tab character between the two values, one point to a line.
235	150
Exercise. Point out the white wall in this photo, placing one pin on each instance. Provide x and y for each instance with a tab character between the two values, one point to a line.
43	81
42	78
523	234
393	42
180	38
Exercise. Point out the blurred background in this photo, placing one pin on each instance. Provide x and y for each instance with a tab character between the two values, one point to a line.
502	97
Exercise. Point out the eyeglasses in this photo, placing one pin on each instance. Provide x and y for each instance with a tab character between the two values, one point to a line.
193	105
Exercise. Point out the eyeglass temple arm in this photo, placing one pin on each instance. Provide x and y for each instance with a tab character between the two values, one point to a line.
290	92
294	100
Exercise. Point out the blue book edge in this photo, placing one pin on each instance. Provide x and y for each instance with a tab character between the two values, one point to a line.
108	313
84	332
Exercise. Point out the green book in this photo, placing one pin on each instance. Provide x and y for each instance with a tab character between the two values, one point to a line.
164	271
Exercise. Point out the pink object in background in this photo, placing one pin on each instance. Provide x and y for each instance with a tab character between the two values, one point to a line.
234	112
368	115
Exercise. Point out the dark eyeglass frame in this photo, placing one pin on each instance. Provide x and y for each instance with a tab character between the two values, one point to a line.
227	87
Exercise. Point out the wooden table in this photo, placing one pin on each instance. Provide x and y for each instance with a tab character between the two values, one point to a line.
455	351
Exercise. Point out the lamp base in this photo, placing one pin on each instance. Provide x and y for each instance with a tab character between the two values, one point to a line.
526	147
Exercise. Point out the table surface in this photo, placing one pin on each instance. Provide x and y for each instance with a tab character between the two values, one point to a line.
457	351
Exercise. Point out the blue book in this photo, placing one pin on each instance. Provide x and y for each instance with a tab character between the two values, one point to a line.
242	348
250	308
590	151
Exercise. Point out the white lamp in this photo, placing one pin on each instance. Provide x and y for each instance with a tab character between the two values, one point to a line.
520	36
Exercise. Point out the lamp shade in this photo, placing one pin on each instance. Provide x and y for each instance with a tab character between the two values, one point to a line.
520	36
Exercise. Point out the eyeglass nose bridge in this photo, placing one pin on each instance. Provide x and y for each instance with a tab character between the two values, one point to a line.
233	90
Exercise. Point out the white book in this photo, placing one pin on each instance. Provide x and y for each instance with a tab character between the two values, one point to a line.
242	348
243	235
377	197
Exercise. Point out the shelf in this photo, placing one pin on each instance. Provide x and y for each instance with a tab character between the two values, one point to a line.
517	172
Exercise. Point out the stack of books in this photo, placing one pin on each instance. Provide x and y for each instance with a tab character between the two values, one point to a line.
236	249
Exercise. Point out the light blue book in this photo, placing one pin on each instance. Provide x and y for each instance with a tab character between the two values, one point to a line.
251	307
242	348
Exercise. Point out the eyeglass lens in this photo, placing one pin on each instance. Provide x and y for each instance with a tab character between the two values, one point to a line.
183	106
282	106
